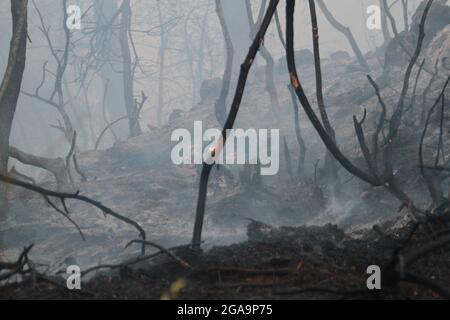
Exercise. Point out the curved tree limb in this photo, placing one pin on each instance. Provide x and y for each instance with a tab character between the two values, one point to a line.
330	144
75	196
100	136
330	164
10	85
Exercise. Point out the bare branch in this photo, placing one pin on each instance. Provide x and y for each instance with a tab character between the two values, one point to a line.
76	196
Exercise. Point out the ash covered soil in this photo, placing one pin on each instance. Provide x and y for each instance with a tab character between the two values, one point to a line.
275	263
137	179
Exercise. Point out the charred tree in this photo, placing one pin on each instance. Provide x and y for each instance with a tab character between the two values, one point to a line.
206	169
295	82
387	178
330	164
127	70
56	99
104	47
10	86
297	128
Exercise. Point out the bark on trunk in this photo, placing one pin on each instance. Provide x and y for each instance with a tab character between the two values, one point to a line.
132	112
10	87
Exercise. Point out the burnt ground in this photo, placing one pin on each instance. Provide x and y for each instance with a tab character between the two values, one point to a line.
275	263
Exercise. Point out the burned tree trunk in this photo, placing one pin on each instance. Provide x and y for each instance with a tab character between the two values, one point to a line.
10	87
388	178
206	169
347	33
127	72
330	164
298	133
295	82
220	108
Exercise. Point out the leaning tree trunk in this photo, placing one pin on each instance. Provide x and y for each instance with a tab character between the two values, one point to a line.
132	111
10	87
229	123
330	163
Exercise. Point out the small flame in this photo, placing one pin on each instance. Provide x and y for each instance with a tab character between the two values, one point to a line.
294	80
